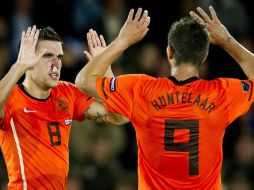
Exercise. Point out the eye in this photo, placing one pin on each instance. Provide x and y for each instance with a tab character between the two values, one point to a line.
60	57
47	56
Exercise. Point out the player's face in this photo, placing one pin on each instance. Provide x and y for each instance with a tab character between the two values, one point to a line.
47	71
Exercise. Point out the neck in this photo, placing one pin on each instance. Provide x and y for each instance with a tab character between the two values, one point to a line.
184	71
36	90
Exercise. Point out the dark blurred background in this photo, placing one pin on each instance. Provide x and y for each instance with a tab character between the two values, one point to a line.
105	157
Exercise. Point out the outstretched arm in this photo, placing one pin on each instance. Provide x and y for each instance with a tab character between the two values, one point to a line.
133	30
220	36
27	58
97	111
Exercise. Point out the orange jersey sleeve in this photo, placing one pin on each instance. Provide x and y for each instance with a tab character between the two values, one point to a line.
239	96
80	100
124	91
34	135
179	125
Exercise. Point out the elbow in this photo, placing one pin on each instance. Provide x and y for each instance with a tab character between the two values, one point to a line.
81	83
87	85
121	120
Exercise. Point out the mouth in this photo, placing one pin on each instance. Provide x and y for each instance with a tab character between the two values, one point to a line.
54	75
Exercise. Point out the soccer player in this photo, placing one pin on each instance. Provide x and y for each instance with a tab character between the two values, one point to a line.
36	115
180	121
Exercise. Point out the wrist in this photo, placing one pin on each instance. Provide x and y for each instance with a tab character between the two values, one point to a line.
122	43
227	42
20	67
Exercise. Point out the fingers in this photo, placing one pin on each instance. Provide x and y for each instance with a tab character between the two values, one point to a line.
88	55
28	31
36	37
94	40
98	41
131	13
89	40
25	36
136	26
96	44
138	14
33	31
205	17
30	36
147	22
139	17
103	42
145	18
22	39
213	13
197	18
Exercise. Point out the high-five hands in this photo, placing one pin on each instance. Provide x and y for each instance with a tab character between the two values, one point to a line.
96	44
27	53
135	27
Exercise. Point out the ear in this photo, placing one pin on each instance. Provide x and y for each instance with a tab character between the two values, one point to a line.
170	52
204	58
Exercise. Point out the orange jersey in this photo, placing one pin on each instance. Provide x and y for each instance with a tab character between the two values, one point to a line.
34	136
179	125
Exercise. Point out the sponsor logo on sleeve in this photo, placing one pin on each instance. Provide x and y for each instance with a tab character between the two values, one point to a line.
113	84
245	86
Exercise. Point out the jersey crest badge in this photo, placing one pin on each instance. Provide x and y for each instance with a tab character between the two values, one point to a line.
61	104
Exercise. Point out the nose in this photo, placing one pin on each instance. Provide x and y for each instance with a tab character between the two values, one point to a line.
56	63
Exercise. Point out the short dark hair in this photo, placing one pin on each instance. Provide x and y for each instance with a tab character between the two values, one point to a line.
48	33
189	40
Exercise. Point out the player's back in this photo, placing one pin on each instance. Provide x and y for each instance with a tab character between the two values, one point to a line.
180	128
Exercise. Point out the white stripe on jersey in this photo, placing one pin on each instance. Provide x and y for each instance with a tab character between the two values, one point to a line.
21	162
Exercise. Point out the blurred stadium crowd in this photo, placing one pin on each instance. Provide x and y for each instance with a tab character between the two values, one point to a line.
105	157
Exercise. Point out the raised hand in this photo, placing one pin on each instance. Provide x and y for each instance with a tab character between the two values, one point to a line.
135	27
95	44
218	32
27	55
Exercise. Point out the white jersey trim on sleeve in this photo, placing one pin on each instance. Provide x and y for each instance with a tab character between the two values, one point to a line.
21	162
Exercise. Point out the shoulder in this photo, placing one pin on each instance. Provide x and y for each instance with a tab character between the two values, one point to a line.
138	79
67	89
232	84
15	93
226	82
135	76
217	82
65	84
